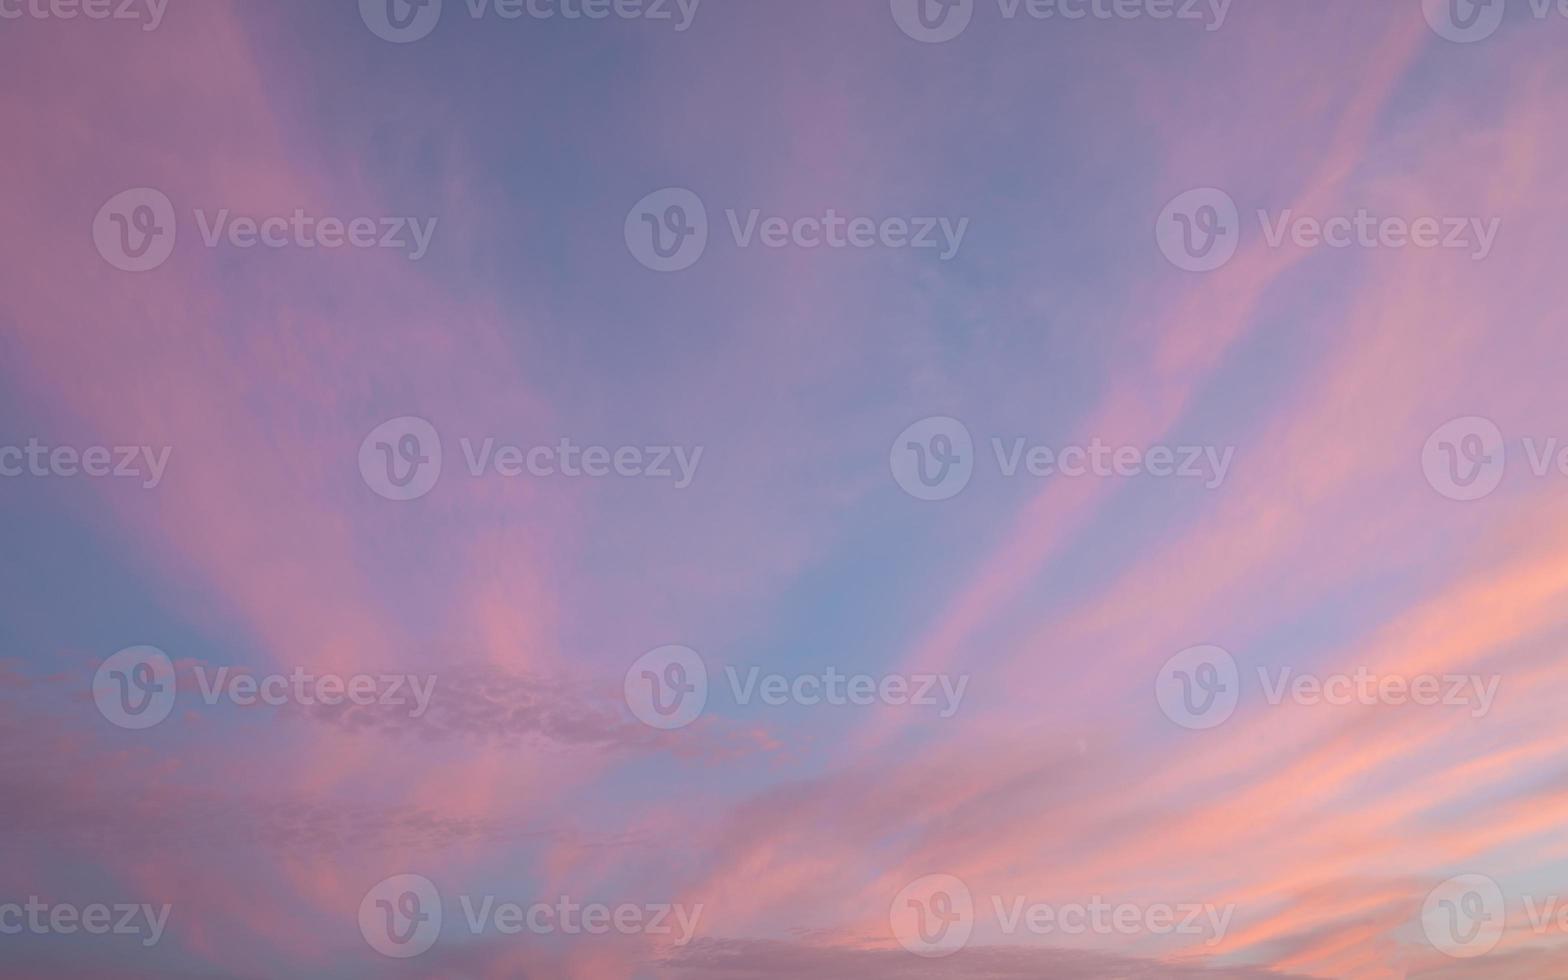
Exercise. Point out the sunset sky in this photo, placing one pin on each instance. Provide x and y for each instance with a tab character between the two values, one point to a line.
869	484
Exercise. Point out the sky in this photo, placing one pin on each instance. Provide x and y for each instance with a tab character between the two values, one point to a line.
676	490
